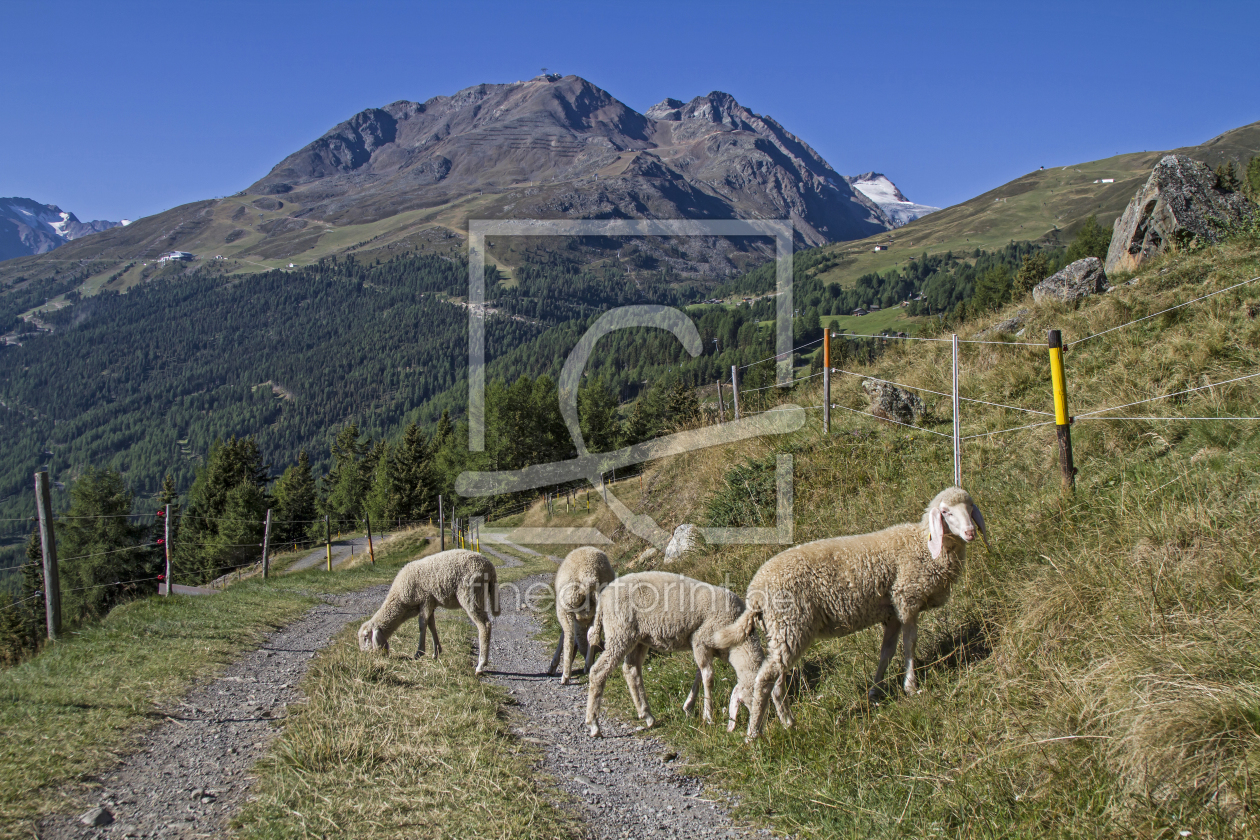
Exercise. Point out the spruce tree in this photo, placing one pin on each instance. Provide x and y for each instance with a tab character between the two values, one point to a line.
597	408
233	475
296	512
99	559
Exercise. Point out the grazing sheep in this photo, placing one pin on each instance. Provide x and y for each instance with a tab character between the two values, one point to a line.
450	579
838	586
584	572
665	612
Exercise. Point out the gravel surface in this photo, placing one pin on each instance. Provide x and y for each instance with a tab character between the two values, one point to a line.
341	552
624	779
190	773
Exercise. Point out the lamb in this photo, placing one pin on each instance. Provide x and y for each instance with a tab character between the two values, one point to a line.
838	586
579	580
667	612
450	579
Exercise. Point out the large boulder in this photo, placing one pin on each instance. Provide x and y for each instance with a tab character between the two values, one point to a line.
1081	278
893	403
685	538
1181	202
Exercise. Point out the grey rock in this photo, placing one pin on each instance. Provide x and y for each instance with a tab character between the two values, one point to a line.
1180	202
893	403
1009	325
645	557
97	817
685	538
1080	279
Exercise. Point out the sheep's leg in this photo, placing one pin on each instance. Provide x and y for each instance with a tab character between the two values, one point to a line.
732	709
614	652
569	628
555	658
690	702
437	643
771	672
632	668
891	630
426	616
780	704
909	635
704	662
583	646
482	620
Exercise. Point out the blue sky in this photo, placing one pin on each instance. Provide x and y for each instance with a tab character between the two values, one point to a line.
123	109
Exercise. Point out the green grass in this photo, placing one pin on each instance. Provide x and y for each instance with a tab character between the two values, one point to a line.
1096	671
394	747
80	704
894	318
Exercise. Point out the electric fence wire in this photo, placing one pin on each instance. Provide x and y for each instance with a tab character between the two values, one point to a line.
1161	312
784	353
1091	414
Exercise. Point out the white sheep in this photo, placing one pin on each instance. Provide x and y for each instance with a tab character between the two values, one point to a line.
450	579
664	612
838	586
579	580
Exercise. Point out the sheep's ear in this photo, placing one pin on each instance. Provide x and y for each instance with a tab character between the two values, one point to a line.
978	517
936	525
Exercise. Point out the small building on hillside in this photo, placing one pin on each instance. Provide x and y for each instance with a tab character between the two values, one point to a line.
875	307
880	248
859	311
175	255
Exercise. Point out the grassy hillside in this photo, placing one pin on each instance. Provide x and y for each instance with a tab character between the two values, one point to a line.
1044	205
1095	673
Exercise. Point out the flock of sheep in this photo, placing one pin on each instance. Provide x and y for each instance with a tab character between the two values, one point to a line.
829	587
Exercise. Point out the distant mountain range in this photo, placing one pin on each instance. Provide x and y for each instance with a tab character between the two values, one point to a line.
409	175
28	227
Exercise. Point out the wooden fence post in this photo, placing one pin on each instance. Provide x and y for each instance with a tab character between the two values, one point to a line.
735	389
441	525
48	545
826	351
166	544
371	551
1062	422
327	542
721	404
266	544
957	421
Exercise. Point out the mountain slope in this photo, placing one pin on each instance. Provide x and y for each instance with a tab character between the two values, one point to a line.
1047	204
410	174
28	227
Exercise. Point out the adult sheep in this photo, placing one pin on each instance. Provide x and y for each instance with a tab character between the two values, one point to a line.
579	580
665	612
450	579
838	586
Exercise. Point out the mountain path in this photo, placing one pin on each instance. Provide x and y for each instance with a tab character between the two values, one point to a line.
624	780
190	774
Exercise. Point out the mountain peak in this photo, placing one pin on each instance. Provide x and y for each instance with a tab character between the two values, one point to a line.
28	227
880	189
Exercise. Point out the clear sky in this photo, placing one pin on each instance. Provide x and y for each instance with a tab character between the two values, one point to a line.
122	109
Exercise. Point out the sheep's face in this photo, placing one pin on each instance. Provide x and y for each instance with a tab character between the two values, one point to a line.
959	517
371	638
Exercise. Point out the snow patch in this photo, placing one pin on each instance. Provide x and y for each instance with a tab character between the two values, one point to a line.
879	189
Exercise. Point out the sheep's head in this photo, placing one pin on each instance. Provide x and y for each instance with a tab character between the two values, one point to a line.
953	512
372	638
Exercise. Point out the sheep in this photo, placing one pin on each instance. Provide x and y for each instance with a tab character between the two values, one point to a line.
450	579
579	580
837	586
665	612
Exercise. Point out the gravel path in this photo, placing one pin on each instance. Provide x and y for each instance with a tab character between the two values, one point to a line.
624	779
341	551
190	773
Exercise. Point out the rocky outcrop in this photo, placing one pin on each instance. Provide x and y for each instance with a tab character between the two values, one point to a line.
1181	202
1081	278
893	403
1006	327
685	538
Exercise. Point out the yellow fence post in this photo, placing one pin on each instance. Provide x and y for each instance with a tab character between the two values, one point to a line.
1062	422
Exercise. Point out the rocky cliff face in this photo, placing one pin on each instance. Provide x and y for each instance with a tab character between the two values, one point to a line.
28	227
578	153
1180	202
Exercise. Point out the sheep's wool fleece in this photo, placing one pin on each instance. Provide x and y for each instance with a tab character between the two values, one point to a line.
578	581
664	610
837	586
441	576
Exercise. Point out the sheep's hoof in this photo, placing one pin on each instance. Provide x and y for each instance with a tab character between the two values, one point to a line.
564	681
648	723
593	730
688	706
481	669
730	727
419	655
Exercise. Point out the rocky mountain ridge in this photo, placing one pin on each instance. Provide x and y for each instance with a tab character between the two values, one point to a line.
28	227
878	188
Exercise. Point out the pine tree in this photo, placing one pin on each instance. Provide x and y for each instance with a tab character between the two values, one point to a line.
1227	177
22	623
597	408
346	484
1252	178
99	562
296	512
1092	240
233	475
1034	269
